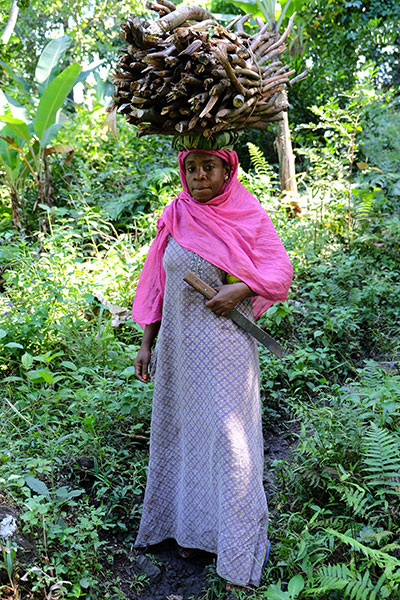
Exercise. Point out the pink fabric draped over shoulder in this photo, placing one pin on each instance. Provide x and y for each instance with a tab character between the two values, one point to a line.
231	231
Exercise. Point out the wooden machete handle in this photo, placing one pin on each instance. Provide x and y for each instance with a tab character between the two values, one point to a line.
198	284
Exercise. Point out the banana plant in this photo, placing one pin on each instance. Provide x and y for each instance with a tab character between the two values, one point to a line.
26	130
272	11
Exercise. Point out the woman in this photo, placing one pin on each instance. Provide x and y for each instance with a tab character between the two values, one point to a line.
204	485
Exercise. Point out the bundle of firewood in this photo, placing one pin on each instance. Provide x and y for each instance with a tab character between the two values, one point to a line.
177	77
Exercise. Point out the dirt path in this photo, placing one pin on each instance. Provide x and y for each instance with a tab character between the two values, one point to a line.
173	578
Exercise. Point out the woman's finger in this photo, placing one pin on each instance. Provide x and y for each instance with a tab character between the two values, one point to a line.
141	371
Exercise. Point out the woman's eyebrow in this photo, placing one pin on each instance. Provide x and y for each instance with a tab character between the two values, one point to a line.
203	162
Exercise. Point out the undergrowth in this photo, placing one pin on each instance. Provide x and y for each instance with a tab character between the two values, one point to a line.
75	423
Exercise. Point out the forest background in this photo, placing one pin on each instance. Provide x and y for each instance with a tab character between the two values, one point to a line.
78	210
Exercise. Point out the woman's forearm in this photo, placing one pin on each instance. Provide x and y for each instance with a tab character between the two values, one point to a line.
150	333
243	289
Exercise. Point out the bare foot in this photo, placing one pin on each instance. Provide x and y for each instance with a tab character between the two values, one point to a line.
237	589
186	552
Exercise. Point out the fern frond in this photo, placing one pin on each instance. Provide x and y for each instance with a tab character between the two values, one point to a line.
360	589
377	557
355	586
364	206
356	499
164	175
259	161
333	577
382	459
337	294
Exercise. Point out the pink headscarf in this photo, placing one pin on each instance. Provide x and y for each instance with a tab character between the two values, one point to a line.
232	231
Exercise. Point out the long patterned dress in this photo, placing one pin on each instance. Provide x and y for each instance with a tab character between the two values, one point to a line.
204	486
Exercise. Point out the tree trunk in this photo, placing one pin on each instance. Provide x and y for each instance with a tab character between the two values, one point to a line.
12	19
286	162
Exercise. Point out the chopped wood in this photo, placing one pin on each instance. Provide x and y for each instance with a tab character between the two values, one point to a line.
185	72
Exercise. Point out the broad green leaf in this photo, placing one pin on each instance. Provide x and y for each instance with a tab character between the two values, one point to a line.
19	128
274	592
53	98
92	67
3	333
129	371
50	133
50	57
3	102
46	375
296	584
248	7
65	494
69	364
62	492
27	360
34	376
17	110
38	486
13	345
22	83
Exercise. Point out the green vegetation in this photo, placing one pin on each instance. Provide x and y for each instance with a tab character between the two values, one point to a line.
74	423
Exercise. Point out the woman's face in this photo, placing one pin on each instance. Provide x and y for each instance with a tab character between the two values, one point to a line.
205	175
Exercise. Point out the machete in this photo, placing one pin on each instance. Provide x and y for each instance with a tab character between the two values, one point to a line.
259	334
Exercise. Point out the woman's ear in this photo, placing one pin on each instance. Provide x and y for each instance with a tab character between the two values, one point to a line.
227	173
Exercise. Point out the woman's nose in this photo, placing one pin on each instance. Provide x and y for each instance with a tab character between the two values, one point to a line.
199	173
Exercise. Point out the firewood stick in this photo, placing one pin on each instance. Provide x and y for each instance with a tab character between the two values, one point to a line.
235	59
240	23
285	34
234	113
163	53
271	54
148	115
162	10
247	73
137	100
299	77
166	109
202	97
182	126
269	40
258	37
193	122
192	48
212	101
233	22
218	88
238	101
221	56
190	80
259	21
168	4
252	91
278	78
176	18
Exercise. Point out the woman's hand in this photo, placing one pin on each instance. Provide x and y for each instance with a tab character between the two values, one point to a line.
142	364
144	355
227	297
